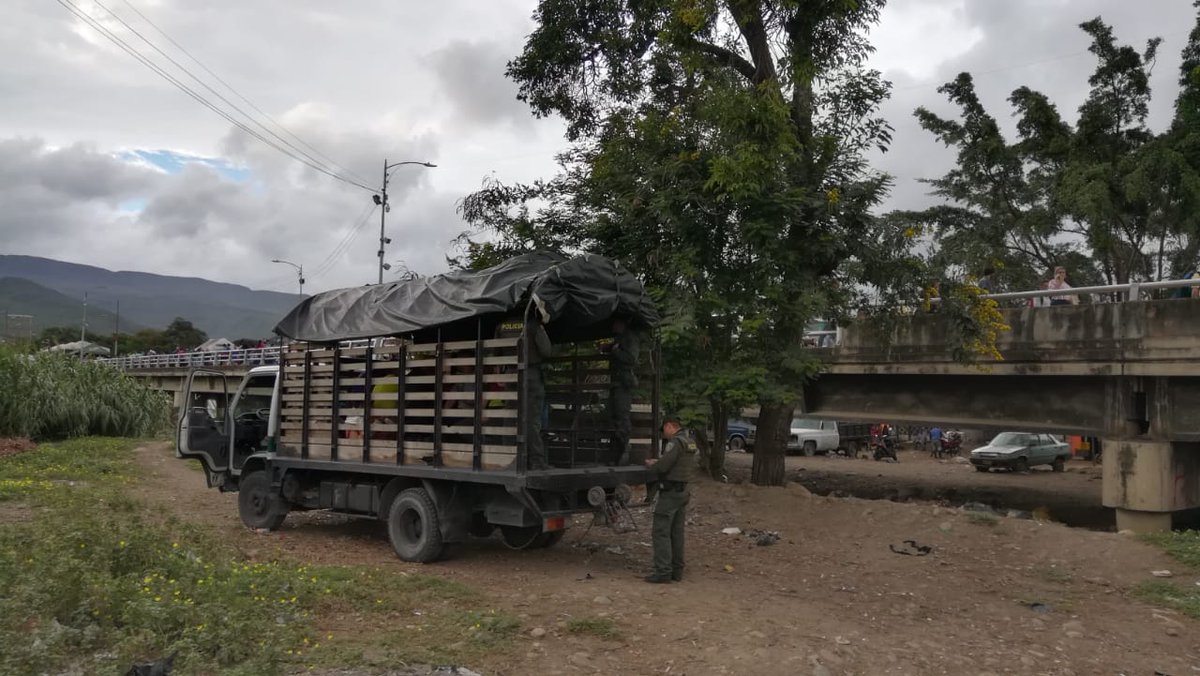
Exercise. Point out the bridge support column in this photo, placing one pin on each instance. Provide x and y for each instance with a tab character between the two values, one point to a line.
1146	481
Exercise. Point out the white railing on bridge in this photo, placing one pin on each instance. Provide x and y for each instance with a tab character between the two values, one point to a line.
1108	293
256	356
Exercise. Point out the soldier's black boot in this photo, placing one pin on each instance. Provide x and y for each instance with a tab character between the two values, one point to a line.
658	579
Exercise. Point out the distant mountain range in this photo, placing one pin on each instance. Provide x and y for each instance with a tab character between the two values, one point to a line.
46	307
53	293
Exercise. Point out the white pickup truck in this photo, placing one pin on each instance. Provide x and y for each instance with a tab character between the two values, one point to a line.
813	436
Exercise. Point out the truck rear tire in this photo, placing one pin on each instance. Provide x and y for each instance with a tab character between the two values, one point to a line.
413	527
522	537
259	505
549	539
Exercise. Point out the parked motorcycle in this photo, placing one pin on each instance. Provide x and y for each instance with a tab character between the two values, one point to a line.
950	445
884	447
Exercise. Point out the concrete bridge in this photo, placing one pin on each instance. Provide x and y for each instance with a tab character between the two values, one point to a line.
1126	372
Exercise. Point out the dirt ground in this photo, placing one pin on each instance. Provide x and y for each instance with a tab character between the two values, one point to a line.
1071	497
994	596
12	446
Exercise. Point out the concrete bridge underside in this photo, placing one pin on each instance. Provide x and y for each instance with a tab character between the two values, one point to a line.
1126	372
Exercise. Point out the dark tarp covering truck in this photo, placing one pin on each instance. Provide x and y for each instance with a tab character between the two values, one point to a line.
409	402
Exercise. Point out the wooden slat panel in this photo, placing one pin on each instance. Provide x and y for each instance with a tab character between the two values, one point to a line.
455	396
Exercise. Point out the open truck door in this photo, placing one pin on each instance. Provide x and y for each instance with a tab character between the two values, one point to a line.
204	425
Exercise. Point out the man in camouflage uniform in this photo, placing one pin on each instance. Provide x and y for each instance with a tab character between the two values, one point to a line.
674	472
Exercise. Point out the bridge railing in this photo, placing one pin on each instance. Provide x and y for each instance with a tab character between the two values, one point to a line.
1111	292
257	356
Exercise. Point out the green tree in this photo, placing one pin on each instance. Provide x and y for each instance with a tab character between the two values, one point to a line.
1107	183
719	154
181	333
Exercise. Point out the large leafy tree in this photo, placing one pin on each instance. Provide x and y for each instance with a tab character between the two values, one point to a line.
1106	189
718	151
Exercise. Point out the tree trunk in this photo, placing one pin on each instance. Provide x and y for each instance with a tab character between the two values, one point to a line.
703	448
774	426
716	457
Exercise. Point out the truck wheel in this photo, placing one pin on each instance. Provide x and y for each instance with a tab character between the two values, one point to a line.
259	506
412	525
810	448
737	444
1058	465
549	539
521	537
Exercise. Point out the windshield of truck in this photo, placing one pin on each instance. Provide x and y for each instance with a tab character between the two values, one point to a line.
256	396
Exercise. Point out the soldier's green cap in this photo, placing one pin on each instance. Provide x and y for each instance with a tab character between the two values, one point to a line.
672	419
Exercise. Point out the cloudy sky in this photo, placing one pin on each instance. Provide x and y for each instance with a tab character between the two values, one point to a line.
105	163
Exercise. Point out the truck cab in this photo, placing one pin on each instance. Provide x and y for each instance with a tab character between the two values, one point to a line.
224	433
810	436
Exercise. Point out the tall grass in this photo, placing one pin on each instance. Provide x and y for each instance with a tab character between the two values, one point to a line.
54	396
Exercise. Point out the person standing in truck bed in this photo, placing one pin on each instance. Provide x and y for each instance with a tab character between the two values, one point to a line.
539	350
622	360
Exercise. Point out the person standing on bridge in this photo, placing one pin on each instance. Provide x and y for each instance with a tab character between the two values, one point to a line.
1059	283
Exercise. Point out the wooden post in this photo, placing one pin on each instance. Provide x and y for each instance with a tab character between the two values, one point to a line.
477	456
439	356
402	360
333	424
305	403
368	401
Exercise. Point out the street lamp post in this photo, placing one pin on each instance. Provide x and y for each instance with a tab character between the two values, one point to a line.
383	202
299	271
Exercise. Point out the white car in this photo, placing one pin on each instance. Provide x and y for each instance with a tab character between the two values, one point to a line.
814	436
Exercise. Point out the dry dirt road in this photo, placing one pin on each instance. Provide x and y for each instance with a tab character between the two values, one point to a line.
1071	497
829	598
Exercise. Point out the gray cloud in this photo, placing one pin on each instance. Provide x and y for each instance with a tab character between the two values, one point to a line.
472	76
374	79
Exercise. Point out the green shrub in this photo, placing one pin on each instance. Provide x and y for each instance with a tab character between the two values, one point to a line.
55	396
91	581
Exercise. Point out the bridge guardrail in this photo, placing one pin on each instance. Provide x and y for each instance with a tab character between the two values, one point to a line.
258	356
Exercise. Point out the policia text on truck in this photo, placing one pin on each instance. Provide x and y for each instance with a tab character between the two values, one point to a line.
447	406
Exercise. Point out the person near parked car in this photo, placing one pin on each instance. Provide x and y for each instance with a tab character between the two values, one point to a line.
935	437
674	472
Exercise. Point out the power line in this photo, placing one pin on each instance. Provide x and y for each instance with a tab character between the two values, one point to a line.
158	70
311	160
230	87
342	246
